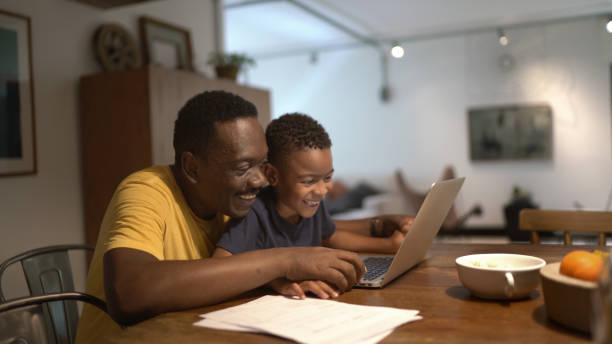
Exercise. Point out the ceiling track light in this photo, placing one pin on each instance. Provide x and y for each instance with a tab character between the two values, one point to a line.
502	38
609	25
314	57
397	50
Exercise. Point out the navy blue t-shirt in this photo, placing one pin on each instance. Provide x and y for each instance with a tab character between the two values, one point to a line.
263	227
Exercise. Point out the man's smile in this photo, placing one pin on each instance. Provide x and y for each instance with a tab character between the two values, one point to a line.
247	196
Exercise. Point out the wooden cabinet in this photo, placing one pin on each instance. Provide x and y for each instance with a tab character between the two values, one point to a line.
111	3
127	123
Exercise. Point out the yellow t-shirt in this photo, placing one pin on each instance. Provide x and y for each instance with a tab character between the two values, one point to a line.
149	213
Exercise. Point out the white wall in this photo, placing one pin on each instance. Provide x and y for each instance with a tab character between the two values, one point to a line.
46	208
420	131
423	128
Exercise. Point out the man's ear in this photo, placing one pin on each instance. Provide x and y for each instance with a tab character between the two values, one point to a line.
271	173
190	167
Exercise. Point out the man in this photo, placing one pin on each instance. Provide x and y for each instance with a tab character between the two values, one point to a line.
161	226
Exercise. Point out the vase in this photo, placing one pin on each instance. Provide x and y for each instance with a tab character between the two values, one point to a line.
511	212
227	72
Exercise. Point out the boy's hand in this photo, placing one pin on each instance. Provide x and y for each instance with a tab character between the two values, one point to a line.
319	288
288	288
388	224
396	239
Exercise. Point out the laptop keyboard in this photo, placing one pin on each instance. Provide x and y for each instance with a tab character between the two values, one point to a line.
376	266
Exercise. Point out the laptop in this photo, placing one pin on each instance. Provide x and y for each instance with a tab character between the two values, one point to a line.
427	223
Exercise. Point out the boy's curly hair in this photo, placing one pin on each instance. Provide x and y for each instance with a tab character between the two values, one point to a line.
292	132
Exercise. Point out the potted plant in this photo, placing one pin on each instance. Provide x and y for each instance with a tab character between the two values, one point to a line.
521	199
229	65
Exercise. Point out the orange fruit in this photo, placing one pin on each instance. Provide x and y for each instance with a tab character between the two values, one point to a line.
582	264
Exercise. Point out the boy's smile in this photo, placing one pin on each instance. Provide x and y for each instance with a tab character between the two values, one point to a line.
301	182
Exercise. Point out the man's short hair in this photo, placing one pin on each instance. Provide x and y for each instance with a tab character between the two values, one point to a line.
294	132
195	126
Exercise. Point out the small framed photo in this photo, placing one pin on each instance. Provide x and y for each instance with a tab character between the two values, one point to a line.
165	44
17	133
513	132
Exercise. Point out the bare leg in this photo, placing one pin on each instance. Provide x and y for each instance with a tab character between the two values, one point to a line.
415	198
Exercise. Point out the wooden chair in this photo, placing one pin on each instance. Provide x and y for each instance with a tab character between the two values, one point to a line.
535	220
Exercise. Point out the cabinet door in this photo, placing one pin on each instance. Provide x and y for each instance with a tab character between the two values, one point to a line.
115	137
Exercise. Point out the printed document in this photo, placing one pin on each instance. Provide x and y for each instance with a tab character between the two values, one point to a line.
311	320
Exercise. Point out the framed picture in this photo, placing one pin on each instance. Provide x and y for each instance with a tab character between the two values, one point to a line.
17	136
510	132
165	44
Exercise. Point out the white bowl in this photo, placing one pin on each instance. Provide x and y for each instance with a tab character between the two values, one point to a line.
499	275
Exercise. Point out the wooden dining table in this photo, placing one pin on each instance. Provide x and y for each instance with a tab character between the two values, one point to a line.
450	313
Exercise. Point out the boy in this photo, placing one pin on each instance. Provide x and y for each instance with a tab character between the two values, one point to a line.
292	211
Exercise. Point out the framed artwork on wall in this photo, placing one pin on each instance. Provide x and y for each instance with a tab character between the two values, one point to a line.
17	133
165	44
510	132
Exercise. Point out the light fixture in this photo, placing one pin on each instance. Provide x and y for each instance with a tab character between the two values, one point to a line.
503	39
609	25
314	57
397	51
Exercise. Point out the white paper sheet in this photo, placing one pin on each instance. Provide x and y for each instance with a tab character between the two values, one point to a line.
220	325
311	320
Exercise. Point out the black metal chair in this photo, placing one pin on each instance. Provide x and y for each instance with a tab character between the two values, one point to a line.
22	320
48	271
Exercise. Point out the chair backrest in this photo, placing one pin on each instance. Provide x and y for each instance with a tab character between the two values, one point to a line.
22	320
48	270
535	220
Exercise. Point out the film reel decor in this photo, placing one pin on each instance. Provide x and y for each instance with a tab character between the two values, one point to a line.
115	49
